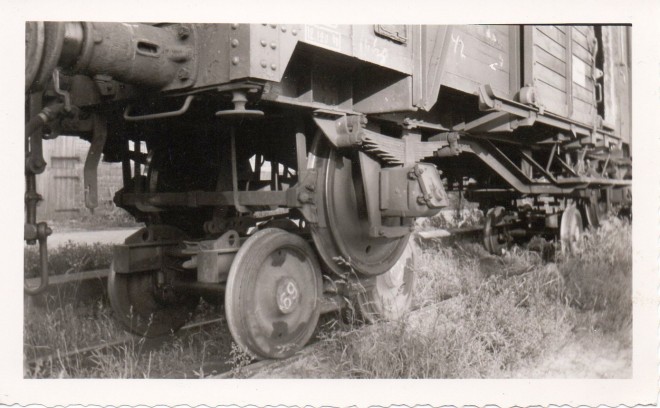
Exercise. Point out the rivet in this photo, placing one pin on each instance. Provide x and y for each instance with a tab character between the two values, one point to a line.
234	42
183	74
273	26
273	67
263	43
235	60
273	45
294	32
284	29
263	64
234	26
183	32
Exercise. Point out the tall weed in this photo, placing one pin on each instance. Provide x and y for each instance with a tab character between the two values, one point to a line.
485	316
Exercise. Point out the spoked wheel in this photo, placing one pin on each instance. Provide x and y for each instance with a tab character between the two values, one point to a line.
272	299
342	232
144	302
571	229
496	239
390	296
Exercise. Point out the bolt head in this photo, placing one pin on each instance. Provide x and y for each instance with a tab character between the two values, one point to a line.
183	32
234	42
234	26
273	67
273	45
183	74
263	43
235	60
263	63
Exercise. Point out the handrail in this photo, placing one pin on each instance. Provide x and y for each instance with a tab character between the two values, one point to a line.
181	111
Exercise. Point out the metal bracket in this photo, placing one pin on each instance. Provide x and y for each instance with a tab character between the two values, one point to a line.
92	161
234	172
36	232
340	129
160	115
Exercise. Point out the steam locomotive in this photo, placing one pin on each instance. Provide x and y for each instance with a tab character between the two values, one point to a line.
284	165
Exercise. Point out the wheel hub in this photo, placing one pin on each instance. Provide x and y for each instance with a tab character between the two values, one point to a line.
288	295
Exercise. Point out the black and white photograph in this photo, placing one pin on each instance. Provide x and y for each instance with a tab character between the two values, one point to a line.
437	203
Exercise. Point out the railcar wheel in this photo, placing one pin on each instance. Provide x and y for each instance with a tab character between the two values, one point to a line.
496	239
391	295
571	229
342	231
145	307
272	298
140	310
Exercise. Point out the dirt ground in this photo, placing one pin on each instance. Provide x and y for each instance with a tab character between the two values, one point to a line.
586	355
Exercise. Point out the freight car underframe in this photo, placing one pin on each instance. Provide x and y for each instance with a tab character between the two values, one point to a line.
346	182
355	191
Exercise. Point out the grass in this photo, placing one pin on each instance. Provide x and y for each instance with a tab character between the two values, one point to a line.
502	312
68	258
61	322
51	338
104	218
479	316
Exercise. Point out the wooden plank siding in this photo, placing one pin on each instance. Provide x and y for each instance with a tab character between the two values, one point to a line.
61	184
477	55
549	54
561	69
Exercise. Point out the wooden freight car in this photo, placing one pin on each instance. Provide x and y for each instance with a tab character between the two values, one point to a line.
363	129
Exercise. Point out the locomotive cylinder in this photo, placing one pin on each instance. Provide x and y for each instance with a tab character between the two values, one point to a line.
137	54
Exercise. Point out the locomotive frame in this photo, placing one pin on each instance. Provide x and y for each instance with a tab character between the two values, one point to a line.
357	125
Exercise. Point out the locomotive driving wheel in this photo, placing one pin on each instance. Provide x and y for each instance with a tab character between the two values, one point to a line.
390	296
144	302
570	230
272	298
496	238
342	231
